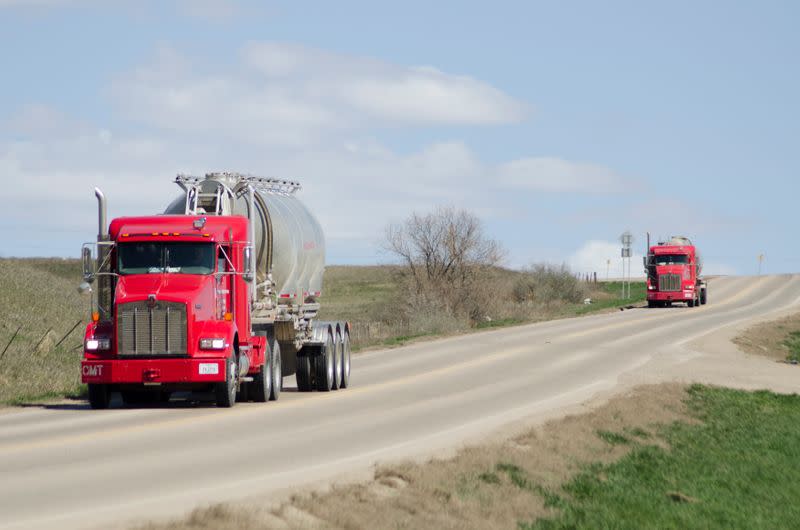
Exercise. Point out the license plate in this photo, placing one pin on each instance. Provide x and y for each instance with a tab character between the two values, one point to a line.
209	368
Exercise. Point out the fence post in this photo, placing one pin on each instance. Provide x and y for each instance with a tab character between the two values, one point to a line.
14	336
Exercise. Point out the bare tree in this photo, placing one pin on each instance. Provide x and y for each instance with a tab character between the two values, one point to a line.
446	253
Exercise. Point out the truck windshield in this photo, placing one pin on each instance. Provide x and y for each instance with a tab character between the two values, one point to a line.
153	258
672	259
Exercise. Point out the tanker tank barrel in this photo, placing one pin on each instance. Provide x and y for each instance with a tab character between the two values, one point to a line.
288	242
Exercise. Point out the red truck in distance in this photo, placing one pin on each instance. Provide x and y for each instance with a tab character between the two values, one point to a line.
219	294
673	271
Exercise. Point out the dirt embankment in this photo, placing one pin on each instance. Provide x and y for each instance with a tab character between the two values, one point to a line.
494	485
768	339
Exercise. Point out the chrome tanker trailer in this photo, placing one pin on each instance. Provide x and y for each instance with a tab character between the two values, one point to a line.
221	291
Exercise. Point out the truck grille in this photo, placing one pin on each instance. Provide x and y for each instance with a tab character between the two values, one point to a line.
669	282
156	330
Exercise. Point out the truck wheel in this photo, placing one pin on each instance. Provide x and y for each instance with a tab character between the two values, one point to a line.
226	391
704	296
99	396
690	303
261	387
337	363
276	372
324	365
345	360
651	304
303	374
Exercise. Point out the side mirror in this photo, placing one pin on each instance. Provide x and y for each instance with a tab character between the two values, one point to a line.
84	288
88	265
248	274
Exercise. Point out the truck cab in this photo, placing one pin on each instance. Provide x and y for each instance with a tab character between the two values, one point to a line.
173	309
673	274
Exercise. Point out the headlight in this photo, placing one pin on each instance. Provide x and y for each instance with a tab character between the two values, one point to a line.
212	344
98	344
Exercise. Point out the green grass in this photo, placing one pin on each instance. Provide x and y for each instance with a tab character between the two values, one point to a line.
738	467
403	339
499	323
609	295
793	343
358	293
613	438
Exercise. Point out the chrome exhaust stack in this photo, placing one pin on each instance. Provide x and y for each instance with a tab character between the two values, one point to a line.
104	281
102	229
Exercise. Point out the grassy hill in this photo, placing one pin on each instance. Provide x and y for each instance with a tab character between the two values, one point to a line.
42	311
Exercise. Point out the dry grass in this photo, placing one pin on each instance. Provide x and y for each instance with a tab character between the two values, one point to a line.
770	339
38	297
494	485
377	302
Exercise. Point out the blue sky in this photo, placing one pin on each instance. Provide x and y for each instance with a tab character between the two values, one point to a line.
561	124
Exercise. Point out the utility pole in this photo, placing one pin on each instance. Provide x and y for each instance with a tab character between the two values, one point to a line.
760	261
608	268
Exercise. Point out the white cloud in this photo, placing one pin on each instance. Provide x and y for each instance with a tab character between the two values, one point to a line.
595	255
282	110
292	94
604	258
354	186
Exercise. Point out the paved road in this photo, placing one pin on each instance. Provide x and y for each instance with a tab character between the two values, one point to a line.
66	466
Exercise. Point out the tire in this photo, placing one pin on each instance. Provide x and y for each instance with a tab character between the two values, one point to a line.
260	388
99	396
303	374
690	303
226	391
324	366
337	363
345	360
704	296
651	304
276	373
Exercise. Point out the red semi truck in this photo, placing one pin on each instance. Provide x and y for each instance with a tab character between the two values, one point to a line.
673	271
219	294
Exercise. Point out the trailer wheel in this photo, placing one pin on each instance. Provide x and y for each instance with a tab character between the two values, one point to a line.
226	391
277	371
99	396
345	360
337	363
303	373
325	366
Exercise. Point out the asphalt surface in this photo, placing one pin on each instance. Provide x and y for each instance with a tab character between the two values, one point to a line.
66	466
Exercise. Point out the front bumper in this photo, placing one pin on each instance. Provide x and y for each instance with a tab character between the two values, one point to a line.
669	296
118	371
